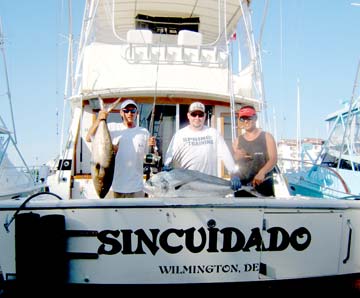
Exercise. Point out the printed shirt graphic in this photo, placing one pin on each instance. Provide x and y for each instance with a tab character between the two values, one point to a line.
199	150
128	173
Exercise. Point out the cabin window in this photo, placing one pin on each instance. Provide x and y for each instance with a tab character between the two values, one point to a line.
166	25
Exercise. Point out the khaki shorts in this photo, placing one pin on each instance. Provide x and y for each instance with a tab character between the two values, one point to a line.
119	195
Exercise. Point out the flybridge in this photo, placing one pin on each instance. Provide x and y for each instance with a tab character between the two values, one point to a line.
166	25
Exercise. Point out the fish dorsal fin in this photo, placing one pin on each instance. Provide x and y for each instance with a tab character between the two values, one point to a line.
110	107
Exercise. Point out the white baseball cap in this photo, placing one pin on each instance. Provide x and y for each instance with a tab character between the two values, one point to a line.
128	102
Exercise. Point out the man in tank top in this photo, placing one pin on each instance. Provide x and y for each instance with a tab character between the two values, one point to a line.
255	152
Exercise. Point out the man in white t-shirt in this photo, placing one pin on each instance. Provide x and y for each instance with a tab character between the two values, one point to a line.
130	144
198	147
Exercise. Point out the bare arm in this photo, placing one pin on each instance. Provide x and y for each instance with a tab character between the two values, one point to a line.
92	130
270	164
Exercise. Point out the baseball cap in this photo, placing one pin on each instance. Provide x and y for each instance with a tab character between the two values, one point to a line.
247	111
127	102
197	106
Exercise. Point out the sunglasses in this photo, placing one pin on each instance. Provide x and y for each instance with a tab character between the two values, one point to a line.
243	119
197	114
133	111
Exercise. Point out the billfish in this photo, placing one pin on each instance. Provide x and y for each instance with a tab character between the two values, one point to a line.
102	156
187	183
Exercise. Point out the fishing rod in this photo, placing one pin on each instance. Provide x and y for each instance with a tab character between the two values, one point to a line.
152	158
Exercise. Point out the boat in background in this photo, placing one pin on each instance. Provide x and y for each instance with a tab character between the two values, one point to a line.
15	181
335	173
166	55
291	158
16	178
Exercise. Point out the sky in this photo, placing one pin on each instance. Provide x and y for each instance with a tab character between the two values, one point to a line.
310	53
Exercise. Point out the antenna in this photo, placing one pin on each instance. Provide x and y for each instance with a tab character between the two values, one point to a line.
298	122
349	119
2	46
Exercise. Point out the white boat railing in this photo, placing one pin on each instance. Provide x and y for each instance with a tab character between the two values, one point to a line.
306	178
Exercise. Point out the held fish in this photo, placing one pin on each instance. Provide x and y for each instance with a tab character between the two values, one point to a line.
183	183
186	183
102	156
102	160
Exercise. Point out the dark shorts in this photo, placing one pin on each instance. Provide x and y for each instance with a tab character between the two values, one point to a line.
266	188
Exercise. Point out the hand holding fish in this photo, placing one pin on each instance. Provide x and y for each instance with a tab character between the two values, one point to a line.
102	115
92	130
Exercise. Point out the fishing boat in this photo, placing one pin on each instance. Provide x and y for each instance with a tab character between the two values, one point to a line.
335	172
166	55
16	178
15	181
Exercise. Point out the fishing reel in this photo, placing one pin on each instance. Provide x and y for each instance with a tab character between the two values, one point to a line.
151	164
152	159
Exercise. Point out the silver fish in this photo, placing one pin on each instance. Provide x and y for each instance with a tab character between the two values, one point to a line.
102	160
102	157
187	183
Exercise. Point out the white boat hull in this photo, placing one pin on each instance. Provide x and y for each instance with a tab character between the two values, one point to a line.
160	242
